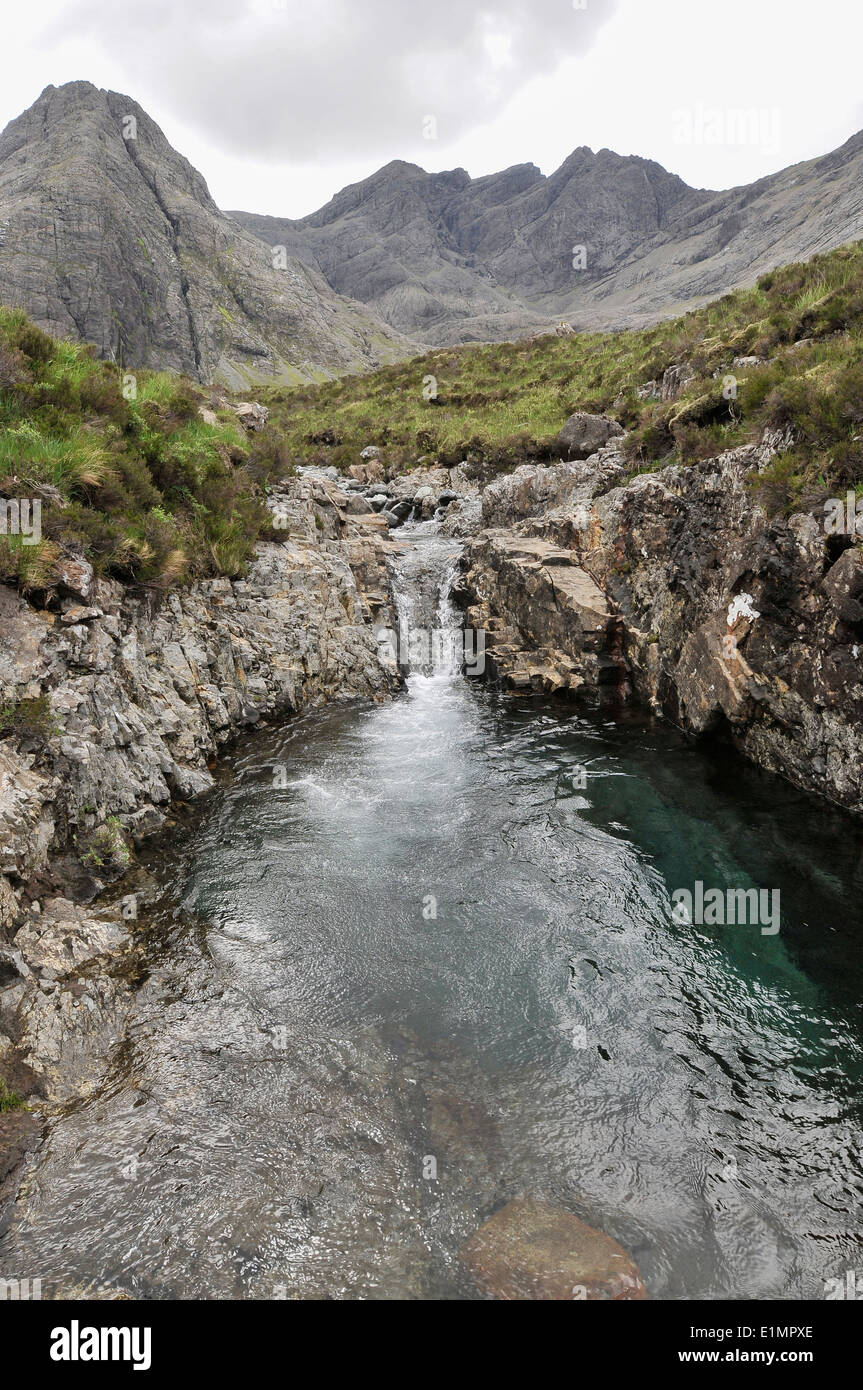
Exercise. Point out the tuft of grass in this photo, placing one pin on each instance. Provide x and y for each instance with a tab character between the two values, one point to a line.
106	848
29	720
8	1099
143	488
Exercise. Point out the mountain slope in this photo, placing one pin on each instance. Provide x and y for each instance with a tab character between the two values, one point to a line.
453	259
117	241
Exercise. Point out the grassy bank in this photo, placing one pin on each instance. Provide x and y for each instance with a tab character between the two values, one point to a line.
502	403
132	476
128	472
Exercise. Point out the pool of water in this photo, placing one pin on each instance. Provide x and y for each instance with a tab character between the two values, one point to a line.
408	961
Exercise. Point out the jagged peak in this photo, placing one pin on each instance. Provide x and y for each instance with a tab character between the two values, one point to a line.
58	107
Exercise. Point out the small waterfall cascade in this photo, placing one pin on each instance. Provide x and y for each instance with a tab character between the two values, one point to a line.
430	640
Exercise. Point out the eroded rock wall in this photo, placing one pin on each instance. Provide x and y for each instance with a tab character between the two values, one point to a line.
677	589
136	693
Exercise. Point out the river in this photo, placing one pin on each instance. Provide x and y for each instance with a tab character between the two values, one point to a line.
407	961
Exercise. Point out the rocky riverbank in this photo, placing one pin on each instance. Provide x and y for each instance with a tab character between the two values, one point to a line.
116	703
674	589
678	590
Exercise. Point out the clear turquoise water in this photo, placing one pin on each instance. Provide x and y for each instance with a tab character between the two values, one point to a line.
309	1036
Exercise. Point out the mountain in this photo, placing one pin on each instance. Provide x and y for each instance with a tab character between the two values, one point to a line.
448	258
109	235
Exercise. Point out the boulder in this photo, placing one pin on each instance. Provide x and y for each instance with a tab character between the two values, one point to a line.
583	434
371	472
77	613
357	505
74	576
674	379
843	585
251	415
529	1250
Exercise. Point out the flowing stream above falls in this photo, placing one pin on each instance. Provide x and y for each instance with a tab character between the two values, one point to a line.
427	949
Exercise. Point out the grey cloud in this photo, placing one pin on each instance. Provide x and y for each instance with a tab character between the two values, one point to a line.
333	79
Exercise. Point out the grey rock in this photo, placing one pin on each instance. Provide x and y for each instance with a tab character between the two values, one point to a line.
786	690
674	379
251	415
583	434
74	575
117	241
78	614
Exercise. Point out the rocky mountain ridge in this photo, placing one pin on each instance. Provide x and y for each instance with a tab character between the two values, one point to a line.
604	242
108	235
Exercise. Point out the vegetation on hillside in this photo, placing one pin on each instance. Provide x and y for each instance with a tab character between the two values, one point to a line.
8	1099
142	487
152	494
502	403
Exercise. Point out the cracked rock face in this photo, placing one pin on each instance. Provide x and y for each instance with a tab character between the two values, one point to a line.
141	696
723	618
109	235
455	259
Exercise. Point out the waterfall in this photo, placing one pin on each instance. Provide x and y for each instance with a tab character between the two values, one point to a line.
429	641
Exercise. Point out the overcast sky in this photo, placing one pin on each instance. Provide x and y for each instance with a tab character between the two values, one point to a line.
280	103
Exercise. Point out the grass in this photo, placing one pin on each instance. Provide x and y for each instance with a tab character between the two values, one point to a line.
8	1099
107	847
28	719
503	403
136	480
131	476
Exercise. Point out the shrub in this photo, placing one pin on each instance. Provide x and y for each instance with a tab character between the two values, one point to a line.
30	721
8	1099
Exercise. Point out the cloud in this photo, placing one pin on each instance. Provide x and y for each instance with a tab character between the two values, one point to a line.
308	80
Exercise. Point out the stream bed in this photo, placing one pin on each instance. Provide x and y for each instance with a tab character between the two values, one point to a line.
408	961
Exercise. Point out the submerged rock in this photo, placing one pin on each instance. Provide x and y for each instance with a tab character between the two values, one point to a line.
528	1250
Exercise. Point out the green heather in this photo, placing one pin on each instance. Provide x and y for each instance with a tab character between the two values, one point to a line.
8	1099
153	495
500	404
143	487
